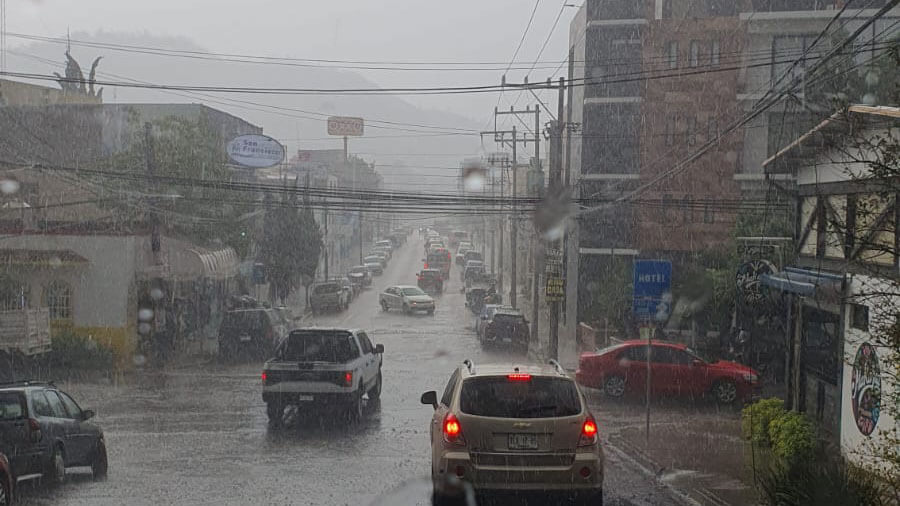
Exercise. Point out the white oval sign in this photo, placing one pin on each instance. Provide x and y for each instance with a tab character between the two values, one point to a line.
257	151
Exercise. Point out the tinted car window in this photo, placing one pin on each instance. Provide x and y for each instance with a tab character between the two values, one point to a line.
56	405
448	392
329	288
636	353
336	347
11	406
71	406
667	355
40	404
504	398
364	343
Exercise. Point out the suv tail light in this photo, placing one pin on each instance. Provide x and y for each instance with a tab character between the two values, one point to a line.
453	430
348	378
588	432
518	377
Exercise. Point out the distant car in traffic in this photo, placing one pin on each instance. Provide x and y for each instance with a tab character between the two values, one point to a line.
484	317
473	255
382	250
461	253
43	431
430	280
328	295
532	422
251	331
360	275
675	370
373	265
507	327
6	481
378	256
473	269
325	369
406	298
385	243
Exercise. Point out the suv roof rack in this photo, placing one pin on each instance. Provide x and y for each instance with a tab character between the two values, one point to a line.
559	368
469	365
26	383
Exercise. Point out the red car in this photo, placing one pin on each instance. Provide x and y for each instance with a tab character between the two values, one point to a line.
6	483
674	370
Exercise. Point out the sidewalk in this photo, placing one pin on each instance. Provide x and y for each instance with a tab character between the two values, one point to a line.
702	457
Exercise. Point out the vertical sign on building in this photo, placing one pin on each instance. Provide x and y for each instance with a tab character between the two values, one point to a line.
652	290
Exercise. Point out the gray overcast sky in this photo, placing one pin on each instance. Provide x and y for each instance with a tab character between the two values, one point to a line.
429	30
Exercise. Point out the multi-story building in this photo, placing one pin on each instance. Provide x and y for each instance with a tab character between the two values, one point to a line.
657	79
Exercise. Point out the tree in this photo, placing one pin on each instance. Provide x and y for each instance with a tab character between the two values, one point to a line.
291	243
188	158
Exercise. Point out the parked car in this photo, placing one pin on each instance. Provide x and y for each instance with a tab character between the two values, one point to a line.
406	298
509	327
351	289
461	253
360	275
253	331
484	317
382	250
373	265
43	431
473	255
328	295
675	370
474	269
6	482
531	422
322	368
385	243
431	280
377	256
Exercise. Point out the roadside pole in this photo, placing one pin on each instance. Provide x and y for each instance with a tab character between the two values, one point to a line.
651	305
513	233
555	184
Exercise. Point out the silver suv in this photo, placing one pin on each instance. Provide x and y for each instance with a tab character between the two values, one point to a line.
520	429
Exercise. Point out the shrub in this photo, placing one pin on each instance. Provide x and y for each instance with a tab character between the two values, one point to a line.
793	437
72	351
823	481
756	417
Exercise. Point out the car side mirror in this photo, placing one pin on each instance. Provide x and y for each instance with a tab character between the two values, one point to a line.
379	348
430	397
87	414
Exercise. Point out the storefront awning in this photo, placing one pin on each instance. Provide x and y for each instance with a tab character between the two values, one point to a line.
804	282
41	258
183	261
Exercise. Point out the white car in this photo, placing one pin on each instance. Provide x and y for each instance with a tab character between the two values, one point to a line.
406	298
322	368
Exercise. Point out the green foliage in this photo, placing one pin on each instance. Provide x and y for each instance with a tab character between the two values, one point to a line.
76	352
792	436
291	244
756	418
824	481
188	149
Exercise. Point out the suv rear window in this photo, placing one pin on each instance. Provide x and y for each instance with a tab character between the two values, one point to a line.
334	347
329	288
11	406
500	397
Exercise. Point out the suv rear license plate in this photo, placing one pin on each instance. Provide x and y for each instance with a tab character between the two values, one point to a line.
523	442
304	398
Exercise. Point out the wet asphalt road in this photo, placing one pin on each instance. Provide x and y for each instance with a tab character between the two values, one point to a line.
199	434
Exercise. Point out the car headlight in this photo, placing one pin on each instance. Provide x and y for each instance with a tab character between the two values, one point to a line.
751	378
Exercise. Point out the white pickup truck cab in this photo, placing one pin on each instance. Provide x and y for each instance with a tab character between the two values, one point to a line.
322	368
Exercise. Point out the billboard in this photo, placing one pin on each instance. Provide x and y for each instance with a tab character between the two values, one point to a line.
345	126
256	151
652	289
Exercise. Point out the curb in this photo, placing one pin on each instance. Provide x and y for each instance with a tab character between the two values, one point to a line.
682	497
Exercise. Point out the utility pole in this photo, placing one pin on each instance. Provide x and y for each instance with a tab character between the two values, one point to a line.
513	233
502	137
535	242
555	185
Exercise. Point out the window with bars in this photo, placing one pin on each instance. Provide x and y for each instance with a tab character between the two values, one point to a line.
694	60
58	299
715	52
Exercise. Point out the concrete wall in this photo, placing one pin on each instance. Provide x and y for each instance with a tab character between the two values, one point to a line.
99	288
867	371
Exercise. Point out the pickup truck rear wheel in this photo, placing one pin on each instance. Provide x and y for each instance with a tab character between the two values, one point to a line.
275	412
375	391
355	409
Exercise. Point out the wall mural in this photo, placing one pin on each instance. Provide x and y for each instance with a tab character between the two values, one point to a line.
865	389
